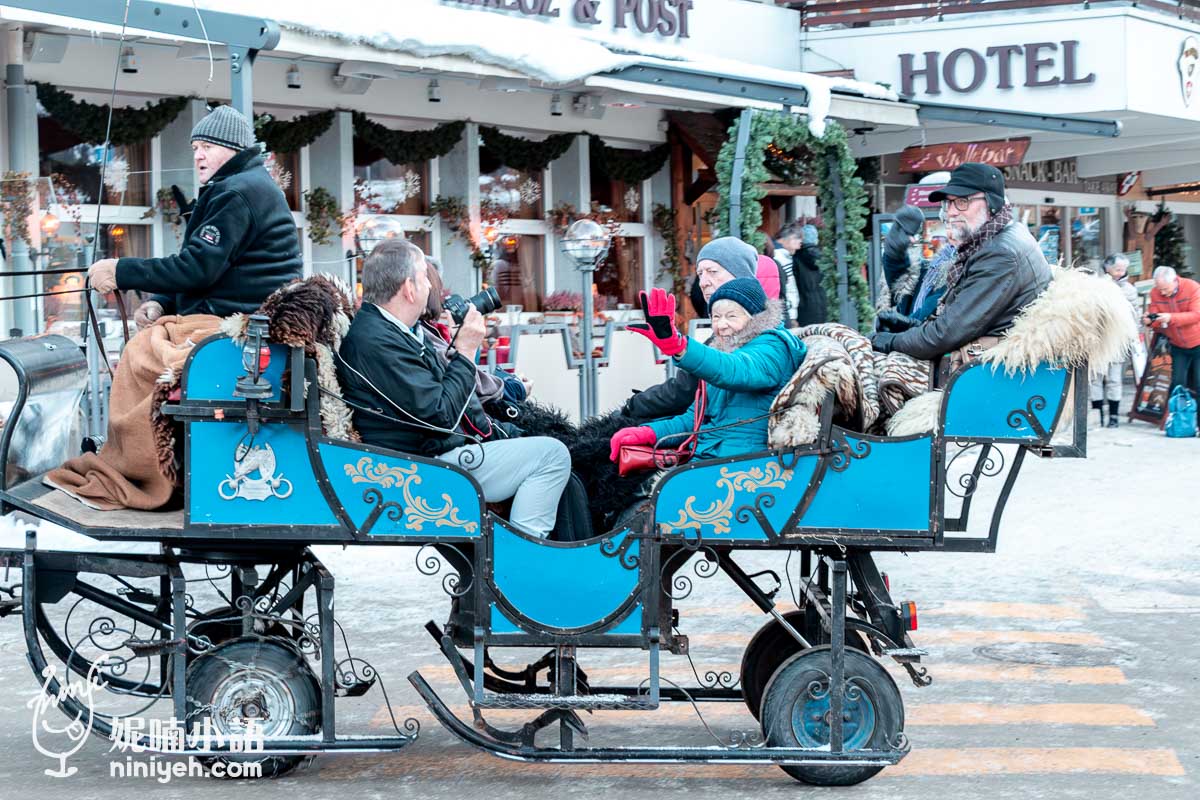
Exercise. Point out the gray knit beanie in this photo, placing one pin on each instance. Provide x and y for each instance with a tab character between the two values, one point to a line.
738	258
227	127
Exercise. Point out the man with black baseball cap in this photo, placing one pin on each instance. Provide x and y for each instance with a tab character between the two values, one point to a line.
998	269
240	243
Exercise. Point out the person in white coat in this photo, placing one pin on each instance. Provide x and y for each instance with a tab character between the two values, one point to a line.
1107	384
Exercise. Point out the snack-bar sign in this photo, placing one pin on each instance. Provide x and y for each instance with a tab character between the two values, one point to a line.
665	18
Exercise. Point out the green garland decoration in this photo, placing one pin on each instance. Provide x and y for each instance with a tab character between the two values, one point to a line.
88	121
790	134
671	262
324	217
408	147
628	166
522	154
287	137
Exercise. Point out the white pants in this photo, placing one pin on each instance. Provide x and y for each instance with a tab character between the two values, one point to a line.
1107	385
532	471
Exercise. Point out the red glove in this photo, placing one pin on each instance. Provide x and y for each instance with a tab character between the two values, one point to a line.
660	318
642	435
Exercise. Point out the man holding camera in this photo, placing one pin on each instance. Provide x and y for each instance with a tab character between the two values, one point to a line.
1175	313
407	396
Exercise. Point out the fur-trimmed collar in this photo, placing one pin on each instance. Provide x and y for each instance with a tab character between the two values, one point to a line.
768	319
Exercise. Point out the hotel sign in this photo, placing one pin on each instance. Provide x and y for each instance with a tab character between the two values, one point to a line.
1003	66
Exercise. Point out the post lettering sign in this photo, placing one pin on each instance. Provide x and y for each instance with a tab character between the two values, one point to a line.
665	18
1032	65
998	153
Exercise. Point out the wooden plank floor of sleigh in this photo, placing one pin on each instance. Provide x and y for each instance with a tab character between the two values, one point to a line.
60	508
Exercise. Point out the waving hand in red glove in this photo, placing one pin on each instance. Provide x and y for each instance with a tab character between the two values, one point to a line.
659	309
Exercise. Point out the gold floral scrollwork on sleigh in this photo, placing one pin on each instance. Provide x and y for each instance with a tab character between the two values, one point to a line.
720	513
417	509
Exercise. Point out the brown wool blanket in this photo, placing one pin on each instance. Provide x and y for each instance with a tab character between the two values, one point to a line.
128	472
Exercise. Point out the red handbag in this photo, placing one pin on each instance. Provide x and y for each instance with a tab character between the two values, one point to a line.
639	457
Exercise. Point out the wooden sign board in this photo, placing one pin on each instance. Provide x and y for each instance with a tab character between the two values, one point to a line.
932	158
1154	389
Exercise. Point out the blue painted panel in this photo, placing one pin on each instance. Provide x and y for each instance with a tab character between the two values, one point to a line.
631	625
216	366
705	498
888	488
436	500
219	497
982	400
563	587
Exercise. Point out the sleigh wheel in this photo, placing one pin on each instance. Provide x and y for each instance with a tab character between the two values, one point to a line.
796	708
772	646
251	681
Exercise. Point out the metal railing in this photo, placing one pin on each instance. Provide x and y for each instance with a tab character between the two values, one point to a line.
862	13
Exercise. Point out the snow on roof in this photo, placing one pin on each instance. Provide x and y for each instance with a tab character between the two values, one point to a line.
518	44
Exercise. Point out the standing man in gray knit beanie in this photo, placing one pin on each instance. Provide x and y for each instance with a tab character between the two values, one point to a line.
240	243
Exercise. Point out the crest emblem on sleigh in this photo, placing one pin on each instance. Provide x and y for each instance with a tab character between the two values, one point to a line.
248	460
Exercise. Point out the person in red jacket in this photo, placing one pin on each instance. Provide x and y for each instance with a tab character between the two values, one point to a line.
1175	311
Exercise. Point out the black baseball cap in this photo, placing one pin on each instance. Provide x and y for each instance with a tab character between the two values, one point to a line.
972	178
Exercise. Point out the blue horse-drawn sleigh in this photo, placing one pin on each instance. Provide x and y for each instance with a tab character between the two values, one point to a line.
262	484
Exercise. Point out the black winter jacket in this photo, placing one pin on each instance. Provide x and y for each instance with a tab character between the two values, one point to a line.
1000	279
240	245
807	273
416	378
667	399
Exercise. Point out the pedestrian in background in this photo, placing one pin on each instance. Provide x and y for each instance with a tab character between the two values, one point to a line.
807	271
1175	312
1109	382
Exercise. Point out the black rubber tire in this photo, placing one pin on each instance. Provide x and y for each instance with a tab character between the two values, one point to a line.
789	686
210	678
771	646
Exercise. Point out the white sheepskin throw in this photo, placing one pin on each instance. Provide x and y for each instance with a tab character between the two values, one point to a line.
1080	317
918	415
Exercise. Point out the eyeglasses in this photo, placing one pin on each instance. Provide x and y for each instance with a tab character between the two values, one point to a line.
960	203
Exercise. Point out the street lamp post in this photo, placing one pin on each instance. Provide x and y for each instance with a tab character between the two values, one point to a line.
586	244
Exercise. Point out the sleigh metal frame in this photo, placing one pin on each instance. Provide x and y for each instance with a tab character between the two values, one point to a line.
510	591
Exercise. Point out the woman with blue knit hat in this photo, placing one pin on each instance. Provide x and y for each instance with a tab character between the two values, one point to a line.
744	364
240	243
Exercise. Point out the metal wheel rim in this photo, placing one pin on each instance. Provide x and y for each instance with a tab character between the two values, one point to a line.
253	694
810	716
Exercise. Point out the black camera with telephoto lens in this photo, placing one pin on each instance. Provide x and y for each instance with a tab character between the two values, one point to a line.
486	301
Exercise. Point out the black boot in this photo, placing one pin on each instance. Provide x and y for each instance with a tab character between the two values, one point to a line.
1099	406
1112	413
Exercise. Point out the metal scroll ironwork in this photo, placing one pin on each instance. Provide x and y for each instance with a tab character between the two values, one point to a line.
989	464
430	562
844	451
395	511
626	559
679	586
1019	417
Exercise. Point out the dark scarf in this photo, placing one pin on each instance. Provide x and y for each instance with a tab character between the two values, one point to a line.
988	231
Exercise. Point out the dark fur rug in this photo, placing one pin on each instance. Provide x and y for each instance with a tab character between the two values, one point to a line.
609	494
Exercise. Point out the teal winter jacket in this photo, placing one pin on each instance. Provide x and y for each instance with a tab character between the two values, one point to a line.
742	383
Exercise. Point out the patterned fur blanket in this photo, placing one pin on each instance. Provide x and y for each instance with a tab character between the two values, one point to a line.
868	387
1080	318
313	313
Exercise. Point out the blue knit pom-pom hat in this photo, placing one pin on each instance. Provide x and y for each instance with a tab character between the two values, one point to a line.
746	292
